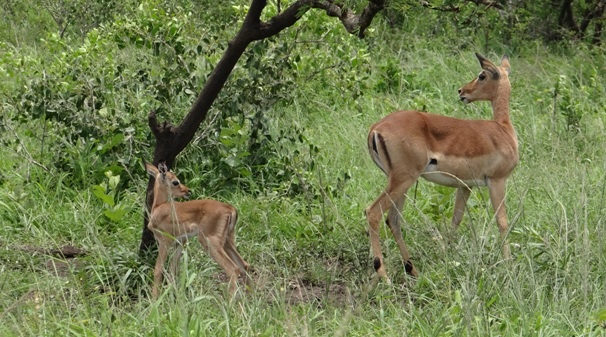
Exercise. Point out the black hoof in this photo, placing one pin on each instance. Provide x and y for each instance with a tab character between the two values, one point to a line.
377	263
409	268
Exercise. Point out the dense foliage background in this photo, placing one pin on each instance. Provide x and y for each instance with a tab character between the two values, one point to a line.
285	143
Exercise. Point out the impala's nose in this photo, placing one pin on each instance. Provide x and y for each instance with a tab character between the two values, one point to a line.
462	97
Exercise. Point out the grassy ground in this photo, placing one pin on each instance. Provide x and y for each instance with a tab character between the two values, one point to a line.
312	267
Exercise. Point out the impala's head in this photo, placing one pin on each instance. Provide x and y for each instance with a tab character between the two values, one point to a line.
491	81
167	183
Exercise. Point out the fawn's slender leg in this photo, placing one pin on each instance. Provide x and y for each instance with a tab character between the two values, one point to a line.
230	248
162	254
216	250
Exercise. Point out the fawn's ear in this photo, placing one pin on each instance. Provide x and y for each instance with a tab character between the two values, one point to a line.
163	169
505	64
151	170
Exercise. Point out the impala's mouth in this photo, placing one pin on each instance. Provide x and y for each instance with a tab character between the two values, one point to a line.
463	99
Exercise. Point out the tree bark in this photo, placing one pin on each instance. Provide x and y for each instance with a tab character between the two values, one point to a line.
566	18
171	140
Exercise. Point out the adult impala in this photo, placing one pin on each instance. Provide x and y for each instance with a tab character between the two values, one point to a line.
213	222
448	151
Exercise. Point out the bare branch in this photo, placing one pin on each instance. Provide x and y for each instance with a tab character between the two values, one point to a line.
155	126
593	13
450	8
488	3
287	18
59	18
353	23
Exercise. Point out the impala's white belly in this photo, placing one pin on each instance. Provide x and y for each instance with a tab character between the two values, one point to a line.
433	173
450	180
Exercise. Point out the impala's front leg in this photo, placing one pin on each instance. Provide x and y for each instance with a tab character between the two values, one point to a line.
496	188
460	204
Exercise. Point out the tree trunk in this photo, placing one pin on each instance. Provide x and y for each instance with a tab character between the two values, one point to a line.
566	19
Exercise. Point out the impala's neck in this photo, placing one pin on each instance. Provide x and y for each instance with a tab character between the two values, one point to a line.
160	197
500	105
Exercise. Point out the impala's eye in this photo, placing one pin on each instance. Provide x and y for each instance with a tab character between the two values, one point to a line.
176	183
482	76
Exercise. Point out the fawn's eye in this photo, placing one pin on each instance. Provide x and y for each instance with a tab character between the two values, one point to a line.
482	76
176	183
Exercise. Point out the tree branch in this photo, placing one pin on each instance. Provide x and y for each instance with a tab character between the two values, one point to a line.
159	130
488	3
450	8
354	23
596	12
287	18
253	29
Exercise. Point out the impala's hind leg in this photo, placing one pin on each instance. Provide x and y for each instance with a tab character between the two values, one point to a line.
374	213
394	221
230	249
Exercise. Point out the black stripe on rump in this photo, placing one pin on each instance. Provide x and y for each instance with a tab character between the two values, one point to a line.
382	141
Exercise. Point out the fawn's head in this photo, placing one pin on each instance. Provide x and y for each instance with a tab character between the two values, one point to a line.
491	81
167	183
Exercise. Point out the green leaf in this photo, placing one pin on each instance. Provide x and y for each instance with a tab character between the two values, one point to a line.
114	181
99	192
600	316
115	215
115	140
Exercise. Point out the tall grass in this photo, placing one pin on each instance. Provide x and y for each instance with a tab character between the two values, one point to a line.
312	265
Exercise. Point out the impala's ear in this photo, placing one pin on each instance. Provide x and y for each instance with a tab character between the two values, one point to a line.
505	64
488	66
151	170
163	169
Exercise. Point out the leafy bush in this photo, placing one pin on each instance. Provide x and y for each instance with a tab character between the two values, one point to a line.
95	96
